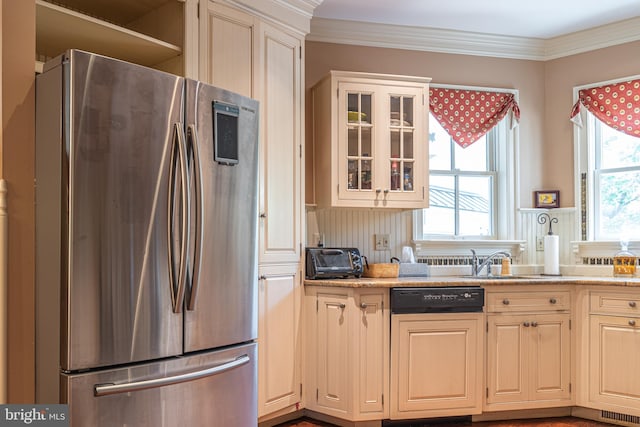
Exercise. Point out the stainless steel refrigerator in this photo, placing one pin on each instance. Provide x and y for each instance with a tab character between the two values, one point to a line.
146	246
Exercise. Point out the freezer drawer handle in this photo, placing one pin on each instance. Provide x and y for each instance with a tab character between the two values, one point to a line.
107	389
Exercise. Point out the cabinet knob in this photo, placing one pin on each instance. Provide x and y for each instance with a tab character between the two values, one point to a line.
526	324
342	305
386	191
632	304
632	322
363	305
505	301
263	215
378	191
534	324
553	301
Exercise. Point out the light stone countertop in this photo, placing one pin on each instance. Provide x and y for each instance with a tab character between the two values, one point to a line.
439	281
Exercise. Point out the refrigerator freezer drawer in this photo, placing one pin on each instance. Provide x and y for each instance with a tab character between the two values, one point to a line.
214	389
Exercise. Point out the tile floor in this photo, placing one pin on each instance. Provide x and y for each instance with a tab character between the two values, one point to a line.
547	422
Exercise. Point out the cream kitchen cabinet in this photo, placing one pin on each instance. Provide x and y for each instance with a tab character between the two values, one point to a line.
528	349
251	54
279	338
241	52
614	346
436	365
347	363
371	140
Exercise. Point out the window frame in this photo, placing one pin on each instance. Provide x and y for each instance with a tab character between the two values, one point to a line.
506	139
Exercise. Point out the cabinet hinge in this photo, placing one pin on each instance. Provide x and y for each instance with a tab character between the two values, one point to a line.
317	305
300	389
382	399
569	324
300	150
487	326
569	387
300	52
487	392
317	393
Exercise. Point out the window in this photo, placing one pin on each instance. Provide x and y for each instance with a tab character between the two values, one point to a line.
615	178
462	186
472	190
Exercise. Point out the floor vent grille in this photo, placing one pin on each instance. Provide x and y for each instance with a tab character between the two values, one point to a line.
609	415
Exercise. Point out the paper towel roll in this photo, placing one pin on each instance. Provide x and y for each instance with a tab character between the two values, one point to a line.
552	255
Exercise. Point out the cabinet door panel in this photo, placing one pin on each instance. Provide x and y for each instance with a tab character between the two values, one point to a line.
227	49
332	331
280	104
506	353
278	338
615	365
550	357
371	360
436	365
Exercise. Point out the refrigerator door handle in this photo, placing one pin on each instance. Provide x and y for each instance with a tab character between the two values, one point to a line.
108	389
178	146
192	140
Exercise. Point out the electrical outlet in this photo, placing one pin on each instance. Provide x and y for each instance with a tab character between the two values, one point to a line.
540	244
381	242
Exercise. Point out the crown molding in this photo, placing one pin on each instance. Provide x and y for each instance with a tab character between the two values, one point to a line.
594	38
294	14
471	43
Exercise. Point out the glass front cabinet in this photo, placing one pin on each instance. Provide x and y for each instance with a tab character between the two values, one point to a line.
371	140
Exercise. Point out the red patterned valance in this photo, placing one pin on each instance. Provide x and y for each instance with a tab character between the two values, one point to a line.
469	114
617	105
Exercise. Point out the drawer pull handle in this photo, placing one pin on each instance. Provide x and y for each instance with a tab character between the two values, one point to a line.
505	301
632	323
632	304
553	300
526	324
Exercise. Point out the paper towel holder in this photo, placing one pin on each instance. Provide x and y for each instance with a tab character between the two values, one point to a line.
543	218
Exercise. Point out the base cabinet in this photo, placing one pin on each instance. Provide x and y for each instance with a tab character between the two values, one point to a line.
347	352
279	338
436	365
528	350
614	365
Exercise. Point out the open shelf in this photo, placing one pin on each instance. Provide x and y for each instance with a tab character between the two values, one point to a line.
59	29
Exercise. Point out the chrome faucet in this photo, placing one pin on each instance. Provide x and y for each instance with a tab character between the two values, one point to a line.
476	266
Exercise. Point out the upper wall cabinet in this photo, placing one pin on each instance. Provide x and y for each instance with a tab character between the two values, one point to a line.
371	140
149	33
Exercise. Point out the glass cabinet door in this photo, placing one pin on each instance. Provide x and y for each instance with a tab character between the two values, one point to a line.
359	141
401	140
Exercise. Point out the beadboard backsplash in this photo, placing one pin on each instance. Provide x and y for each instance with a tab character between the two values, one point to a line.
356	228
